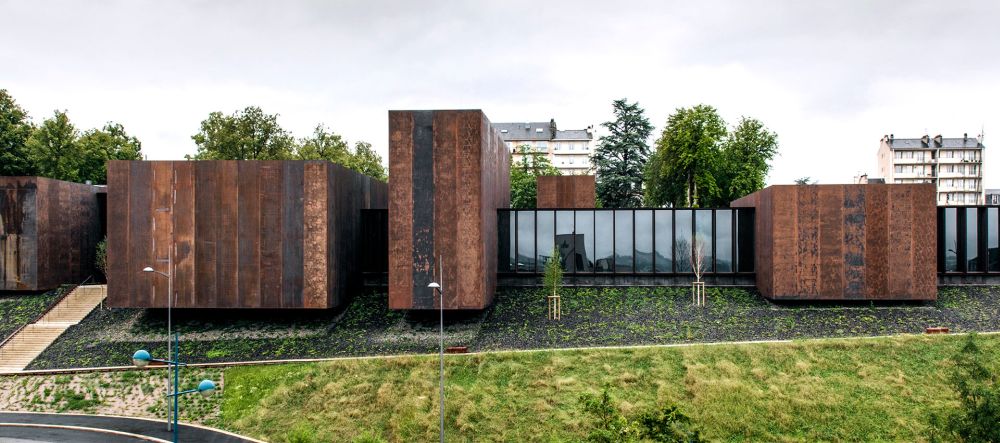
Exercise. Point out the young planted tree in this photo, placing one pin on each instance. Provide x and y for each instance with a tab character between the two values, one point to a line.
695	252
620	157
552	281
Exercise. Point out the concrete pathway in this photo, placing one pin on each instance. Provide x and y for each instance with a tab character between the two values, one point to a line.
28	343
38	427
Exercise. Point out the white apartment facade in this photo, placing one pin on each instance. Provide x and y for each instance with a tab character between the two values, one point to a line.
568	150
954	165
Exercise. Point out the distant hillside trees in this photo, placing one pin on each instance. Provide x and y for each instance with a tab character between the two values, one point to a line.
56	149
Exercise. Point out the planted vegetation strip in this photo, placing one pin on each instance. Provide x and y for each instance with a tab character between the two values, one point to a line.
590	317
824	390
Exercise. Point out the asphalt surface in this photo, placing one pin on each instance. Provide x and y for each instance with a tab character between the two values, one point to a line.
149	428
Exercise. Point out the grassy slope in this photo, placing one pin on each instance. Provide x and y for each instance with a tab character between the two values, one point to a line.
837	389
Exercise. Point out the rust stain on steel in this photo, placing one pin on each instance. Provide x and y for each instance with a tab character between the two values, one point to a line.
49	230
237	240
566	191
838	242
468	181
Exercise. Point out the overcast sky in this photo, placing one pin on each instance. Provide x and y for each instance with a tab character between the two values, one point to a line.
829	77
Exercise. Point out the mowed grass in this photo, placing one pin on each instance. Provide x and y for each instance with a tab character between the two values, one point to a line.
875	389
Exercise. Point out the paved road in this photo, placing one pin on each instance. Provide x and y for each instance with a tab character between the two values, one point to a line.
138	427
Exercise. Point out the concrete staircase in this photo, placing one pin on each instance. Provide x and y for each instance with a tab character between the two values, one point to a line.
30	341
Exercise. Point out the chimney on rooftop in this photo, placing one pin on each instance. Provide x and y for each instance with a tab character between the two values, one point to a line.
938	139
926	139
965	136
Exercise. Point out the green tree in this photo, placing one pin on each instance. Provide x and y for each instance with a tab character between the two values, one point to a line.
524	177
15	128
101	257
249	134
53	149
366	161
682	172
97	146
804	181
746	156
324	145
620	157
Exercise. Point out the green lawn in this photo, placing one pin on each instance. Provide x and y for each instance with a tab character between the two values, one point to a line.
818	390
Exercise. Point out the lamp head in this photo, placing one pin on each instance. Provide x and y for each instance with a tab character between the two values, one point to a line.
147	269
141	358
206	387
434	285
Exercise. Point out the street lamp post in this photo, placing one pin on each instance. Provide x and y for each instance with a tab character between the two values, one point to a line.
170	292
437	287
141	358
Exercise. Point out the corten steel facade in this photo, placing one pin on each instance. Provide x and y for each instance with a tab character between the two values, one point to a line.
244	234
845	242
566	191
49	230
449	173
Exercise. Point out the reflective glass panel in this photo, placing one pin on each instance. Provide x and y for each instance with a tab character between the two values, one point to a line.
664	241
544	235
565	239
724	240
703	239
604	236
505	246
682	240
643	241
623	240
993	238
951	239
584	252
525	241
972	240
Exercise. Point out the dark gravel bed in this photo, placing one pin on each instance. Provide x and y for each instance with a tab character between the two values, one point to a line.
590	317
17	310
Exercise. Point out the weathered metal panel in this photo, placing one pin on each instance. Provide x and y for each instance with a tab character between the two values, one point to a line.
245	234
566	191
449	172
183	237
874	241
249	234
118	210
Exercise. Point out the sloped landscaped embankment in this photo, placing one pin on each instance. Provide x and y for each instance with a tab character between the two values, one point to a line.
517	320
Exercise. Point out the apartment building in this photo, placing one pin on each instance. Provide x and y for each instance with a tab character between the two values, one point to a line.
954	165
568	150
993	197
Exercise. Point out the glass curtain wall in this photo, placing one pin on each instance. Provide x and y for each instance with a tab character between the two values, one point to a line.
626	241
969	239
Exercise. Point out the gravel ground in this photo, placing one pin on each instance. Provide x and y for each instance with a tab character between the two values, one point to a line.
590	317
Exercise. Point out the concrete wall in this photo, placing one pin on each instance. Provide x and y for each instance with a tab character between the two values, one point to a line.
449	171
244	234
845	242
566	191
49	230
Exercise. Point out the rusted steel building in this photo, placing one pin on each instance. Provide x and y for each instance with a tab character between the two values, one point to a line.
845	242
49	230
566	191
236	234
449	173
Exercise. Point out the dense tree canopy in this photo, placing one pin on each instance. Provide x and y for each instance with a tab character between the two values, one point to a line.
15	128
324	145
366	161
620	157
524	176
54	151
698	163
249	134
100	145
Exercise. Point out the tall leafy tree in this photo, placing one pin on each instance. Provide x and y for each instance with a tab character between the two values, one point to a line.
620	157
366	161
97	146
15	128
324	145
746	154
53	149
524	177
682	172
249	134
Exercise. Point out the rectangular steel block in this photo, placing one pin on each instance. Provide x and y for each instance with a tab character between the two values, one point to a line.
566	191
